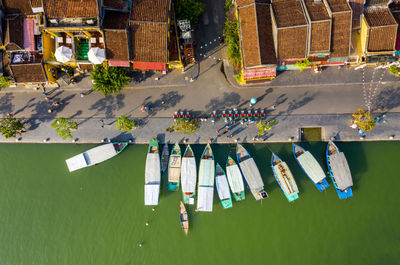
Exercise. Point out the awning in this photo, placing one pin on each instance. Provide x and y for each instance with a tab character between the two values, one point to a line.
29	38
119	63
63	54
96	55
149	66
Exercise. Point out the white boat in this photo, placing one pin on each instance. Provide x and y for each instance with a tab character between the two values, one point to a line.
95	155
235	179
206	181
174	168
222	187
285	178
250	173
188	176
152	174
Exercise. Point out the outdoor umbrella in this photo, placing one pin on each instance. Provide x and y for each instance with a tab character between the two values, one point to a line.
63	54
96	55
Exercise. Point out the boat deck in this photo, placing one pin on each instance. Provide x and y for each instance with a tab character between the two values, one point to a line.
340	170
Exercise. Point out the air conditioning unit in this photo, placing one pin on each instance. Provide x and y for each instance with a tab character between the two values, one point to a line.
90	21
54	20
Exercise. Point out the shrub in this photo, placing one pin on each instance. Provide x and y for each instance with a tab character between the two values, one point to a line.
184	127
4	82
124	124
189	9
303	64
231	32
394	70
264	127
364	120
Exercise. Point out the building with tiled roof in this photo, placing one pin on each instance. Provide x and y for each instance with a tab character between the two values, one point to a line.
290	30
320	22
17	7
395	10
357	6
14	32
341	30
149	26
378	31
256	41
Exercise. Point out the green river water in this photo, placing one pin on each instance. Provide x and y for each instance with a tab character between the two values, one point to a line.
96	215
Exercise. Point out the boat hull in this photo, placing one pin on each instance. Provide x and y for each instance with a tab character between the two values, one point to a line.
189	198
239	197
277	175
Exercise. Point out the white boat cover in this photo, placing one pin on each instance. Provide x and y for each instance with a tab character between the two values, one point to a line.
152	172
174	168
341	171
91	157
251	174
288	184
222	187
188	174
206	173
235	178
151	194
311	167
205	199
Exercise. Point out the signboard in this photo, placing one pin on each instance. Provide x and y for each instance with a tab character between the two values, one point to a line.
259	73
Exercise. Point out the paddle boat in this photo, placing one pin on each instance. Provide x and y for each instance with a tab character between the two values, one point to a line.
205	193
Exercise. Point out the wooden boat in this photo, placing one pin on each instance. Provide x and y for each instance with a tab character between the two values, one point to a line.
339	171
222	187
174	168
152	174
184	218
205	191
188	176
310	166
235	179
164	157
94	156
250	173
285	178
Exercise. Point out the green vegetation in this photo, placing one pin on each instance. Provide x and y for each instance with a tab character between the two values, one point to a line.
228	5
125	124
4	82
264	127
303	64
109	80
394	70
64	126
231	32
189	9
184	127
364	120
11	126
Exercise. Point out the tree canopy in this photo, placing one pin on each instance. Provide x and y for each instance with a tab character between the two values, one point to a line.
64	126
364	120
109	80
11	126
184	127
125	124
189	9
264	127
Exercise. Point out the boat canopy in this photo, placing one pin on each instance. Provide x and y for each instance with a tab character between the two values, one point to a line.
222	187
205	199
251	174
311	167
151	194
235	178
287	183
91	157
340	170
206	172
188	174
174	168
152	172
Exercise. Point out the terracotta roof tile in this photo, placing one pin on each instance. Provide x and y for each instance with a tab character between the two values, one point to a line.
149	10
357	6
116	42
36	3
115	20
149	42
18	6
14	32
70	8
114	3
266	42
320	36
378	16
247	2
341	33
28	73
396	16
288	13
382	38
292	43
338	5
316	10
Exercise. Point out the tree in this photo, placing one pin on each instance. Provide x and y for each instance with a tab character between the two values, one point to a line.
109	80
264	127
64	126
189	9
303	64
124	124
184	127
364	120
394	70
231	32
4	82
11	126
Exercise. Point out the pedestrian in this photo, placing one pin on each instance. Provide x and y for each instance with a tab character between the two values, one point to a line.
82	95
47	98
56	103
162	102
102	123
50	111
230	136
273	107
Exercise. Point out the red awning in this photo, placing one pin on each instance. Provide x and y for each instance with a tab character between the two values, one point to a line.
149	66
259	73
119	63
29	38
398	42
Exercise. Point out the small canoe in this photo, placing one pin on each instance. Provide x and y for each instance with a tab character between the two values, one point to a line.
174	168
184	218
164	157
205	193
188	176
250	173
222	187
310	166
94	156
339	171
152	174
285	178
235	179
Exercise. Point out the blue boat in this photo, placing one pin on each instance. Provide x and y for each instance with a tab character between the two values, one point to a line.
310	166
285	178
339	171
